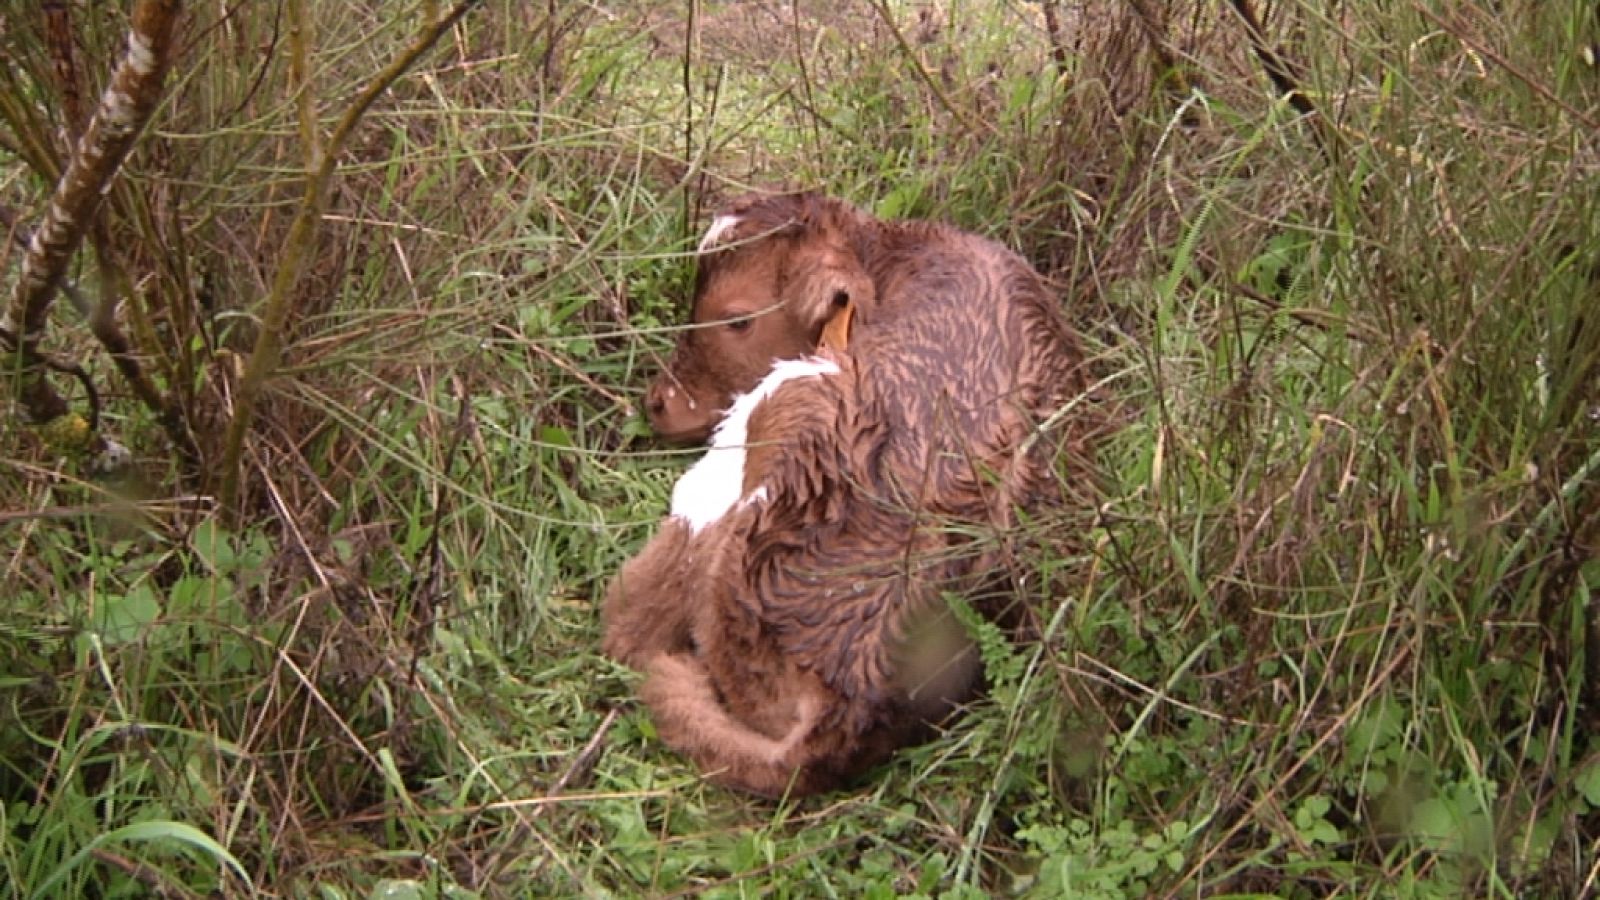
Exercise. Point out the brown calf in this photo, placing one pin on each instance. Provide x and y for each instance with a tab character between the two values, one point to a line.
789	614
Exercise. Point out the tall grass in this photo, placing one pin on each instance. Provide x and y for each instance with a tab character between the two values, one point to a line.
1322	625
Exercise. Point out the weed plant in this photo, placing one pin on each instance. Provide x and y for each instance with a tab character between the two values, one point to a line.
1321	621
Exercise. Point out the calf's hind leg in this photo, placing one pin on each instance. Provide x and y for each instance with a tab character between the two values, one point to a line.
691	719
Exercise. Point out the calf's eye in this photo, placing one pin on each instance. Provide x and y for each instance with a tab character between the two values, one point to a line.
841	298
740	324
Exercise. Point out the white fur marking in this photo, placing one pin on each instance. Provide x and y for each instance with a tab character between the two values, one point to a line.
141	55
720	226
713	485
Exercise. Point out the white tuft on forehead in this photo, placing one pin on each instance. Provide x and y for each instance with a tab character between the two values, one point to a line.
720	226
715	484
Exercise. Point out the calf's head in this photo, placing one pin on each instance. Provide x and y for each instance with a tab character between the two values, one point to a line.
773	273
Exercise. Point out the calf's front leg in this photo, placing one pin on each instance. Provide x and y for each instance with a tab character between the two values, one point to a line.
649	608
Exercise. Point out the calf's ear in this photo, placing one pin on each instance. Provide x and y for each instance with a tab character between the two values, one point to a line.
830	303
836	331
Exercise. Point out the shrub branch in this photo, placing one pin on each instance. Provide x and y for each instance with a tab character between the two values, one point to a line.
301	239
124	108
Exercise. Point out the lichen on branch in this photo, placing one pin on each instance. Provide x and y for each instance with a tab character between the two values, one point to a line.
124	109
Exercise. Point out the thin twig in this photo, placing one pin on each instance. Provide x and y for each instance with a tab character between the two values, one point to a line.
159	883
63	60
1276	789
426	588
1325	321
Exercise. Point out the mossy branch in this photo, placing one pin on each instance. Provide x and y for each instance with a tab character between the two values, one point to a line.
123	111
301	239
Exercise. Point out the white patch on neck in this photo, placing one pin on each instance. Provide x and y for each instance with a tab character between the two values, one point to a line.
713	485
720	226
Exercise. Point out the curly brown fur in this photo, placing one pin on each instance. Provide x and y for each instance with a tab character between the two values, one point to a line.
786	644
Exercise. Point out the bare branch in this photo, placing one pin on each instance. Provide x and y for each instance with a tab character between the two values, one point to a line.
1052	30
1171	71
1459	32
115	288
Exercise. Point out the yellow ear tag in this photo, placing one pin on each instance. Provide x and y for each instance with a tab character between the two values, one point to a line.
836	334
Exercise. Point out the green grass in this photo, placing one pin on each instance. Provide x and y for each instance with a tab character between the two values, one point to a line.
1319	623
